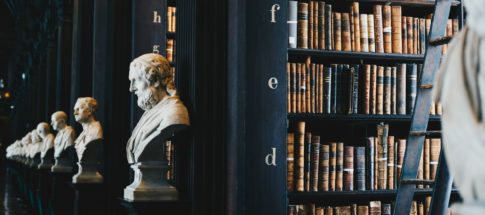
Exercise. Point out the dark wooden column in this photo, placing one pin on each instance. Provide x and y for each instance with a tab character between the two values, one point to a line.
64	59
50	81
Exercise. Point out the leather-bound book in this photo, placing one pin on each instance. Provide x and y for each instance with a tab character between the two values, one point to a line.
316	22
288	87
378	29
356	22
346	40
334	85
380	90
375	208
293	87
434	157
362	210
348	170
290	158
390	163
327	90
426	159
340	167
332	167
401	149
373	90
393	89
422	36
364	34
387	90
410	36
311	18
337	31
396	20
382	134
300	157
370	32
404	34
401	89
328	27
315	159
370	144
308	167
324	168
386	209
387	28
411	86
359	168
321	24
367	89
302	25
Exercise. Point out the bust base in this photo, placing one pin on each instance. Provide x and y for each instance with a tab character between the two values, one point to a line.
149	183
151	194
61	166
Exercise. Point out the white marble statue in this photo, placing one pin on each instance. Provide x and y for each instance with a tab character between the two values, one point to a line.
34	149
84	110
64	139
152	82
47	146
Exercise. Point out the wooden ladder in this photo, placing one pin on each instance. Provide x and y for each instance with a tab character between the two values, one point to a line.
418	131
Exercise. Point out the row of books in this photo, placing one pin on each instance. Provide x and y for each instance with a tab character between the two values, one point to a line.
170	50
313	166
314	25
171	18
373	208
353	89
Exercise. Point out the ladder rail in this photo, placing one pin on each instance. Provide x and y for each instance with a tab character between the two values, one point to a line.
442	190
419	123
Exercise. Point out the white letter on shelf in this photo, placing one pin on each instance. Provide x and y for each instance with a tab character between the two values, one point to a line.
155	49
273	83
273	10
156	18
271	158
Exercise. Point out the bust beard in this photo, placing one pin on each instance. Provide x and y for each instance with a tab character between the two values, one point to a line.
148	98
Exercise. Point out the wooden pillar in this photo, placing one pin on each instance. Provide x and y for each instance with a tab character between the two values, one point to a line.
64	60
50	82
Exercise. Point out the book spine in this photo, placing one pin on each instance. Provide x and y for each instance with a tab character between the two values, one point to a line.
293	87
315	158
298	87
370	162
414	209
348	170
434	157
318	86
328	27
311	5
355	89
313	88
411	86
420	208
370	31
387	90
362	210
416	35
386	209
302	25
316	19
396	29
340	167
321	24
300	165
364	34
324	168
352	30
376	165
288	87
328	210
337	30
334	86
308	87
327	91
380	90
290	161
420	170
367	89
308	152
426	159
401	149
378	29
360	168
401	89
375	208
356	20
422	36
382	134
393	90
346	41
373	90
404	34
303	88
390	162
332	167
387	28
319	211
292	23
410	36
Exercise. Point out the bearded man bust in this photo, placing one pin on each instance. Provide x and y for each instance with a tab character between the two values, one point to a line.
152	81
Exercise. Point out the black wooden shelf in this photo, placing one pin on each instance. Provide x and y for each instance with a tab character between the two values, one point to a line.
170	35
355	55
356	117
416	3
172	3
355	196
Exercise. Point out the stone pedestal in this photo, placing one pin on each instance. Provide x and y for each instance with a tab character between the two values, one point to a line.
46	162
152	207
62	195
90	163
64	163
89	199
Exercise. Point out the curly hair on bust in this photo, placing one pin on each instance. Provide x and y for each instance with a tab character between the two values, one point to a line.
155	68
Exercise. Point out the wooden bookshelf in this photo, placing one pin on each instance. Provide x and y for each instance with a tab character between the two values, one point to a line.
356	118
345	55
407	3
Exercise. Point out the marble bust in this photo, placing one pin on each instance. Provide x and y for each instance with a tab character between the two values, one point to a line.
64	140
35	148
46	148
165	114
92	133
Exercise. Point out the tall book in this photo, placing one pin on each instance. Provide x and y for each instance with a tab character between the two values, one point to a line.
410	36
334	85
393	90
422	36
370	146
411	86
380	90
298	87
435	148
404	34
401	149
316	20
303	88
308	152
337	31
367	89
288	87
356	22
328	27
401	89
292	23
308	87
293	87
346	40
321	24
354	93
378	28
387	28
300	164
324	168
311	5
348	170
340	167
302	25
327	90
396	29
416	35
364	34
313	88
370	31
360	168
382	134
426	156
373	90
290	161
390	162
375	208
332	166
387	90
315	159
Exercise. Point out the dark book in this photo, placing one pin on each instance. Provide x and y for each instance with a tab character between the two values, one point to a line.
354	107
302	25
422	36
334	86
340	167
378	28
370	144
313	88
393	90
315	159
308	87
318	86
321	24
411	87
298	87
390	163
404	34
360	168
337	31
346	41
380	90
373	90
382	134
387	28
303	88
356	22
288	87
290	162
328	210
327	90
344	89
367	89
364	34
387	90
410	36
416	35
370	31
300	156
308	152
386	209
328	27
396	29
401	89
348	170
292	23
324	168
294	79
332	173
311	17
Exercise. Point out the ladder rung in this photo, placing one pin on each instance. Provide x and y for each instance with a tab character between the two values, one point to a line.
417	181
424	133
426	86
440	41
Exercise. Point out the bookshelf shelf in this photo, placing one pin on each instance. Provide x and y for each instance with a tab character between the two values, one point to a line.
171	3
356	118
414	3
170	35
355	196
356	55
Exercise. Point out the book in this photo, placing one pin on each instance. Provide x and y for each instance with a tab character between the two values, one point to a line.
404	35
294	85
370	31
327	91
360	171
315	159
288	87
323	177
332	167
302	25
378	28
348	168
375	208
387	90
435	148
396	29
321	24
426	156
381	145
370	144
373	90
308	152
316	23
411	86
401	89
393	89
290	161
337	31
367	89
401	149
387	28
390	162
356	22
380	90
354	89
311	18
410	36
328	27
364	34
300	152
292	23
346	40
334	86
339	167
386	209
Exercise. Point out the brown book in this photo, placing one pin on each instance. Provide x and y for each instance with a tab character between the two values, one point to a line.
387	28
316	19
380	90
371	164
348	176
346	41
367	88
298	87
378	29
420	170
427	204
364	35
288	87
328	27
317	83
321	24
426	156
414	209
300	164
352	31
362	210
404	34
390	163
449	33
308	87
319	210
303	88
313	88
357	30
422	36
328	210
293	87
332	167
410	36
323	104
340	167
376	165
401	149
310	23
393	89
315	159
337	31
396	29
323	170
375	208
308	152
416	35
435	147
170	45
290	161
354	209
360	172
370	31
421	208
387	90
302	25
373	90
382	153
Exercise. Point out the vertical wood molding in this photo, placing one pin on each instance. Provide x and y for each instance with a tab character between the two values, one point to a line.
64	60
